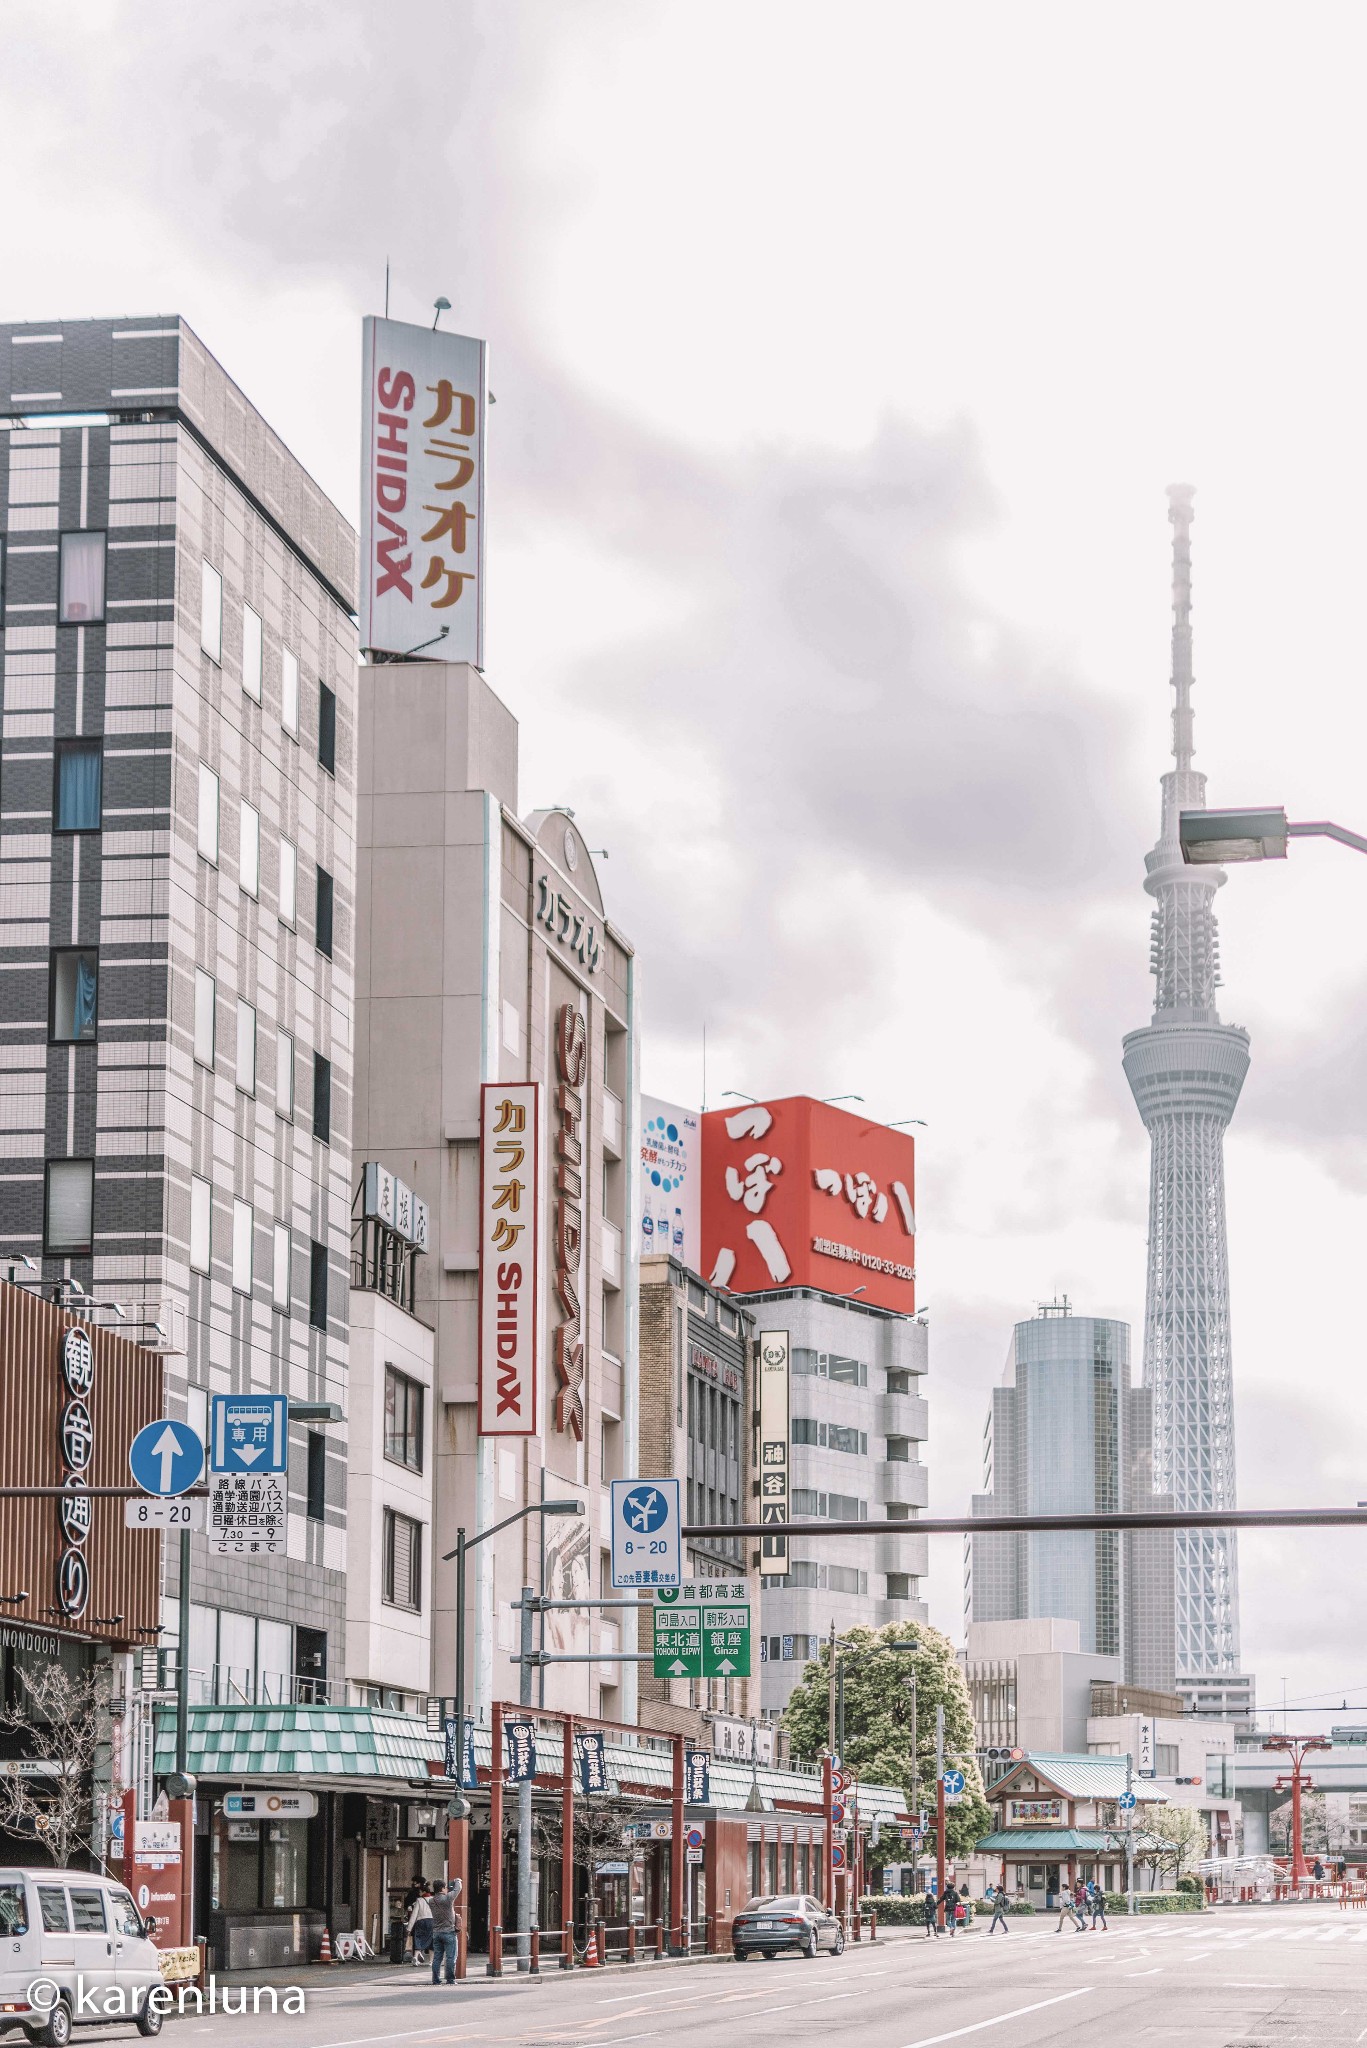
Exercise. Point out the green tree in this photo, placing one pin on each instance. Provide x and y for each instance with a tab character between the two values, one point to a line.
879	1718
1183	1830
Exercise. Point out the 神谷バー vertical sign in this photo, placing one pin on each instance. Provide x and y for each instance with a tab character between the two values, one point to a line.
422	492
772	1349
509	1244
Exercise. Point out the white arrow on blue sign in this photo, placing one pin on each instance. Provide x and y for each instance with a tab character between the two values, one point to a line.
166	1457
1125	1802
249	1433
954	1782
647	1528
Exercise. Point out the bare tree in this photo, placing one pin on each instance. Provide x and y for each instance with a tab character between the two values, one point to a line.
64	1722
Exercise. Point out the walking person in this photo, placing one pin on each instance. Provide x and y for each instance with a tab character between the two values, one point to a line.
1097	1900
1069	1912
419	1925
1080	1903
929	1914
442	1908
998	1910
951	1907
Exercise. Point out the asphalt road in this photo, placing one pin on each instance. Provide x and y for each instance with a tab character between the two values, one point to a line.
1233	1978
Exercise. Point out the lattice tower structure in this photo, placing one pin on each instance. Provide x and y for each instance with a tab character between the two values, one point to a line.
1186	1070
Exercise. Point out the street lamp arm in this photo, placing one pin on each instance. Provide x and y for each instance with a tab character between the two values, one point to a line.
536	1507
1322	829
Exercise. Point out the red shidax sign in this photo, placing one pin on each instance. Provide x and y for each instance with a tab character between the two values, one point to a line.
797	1193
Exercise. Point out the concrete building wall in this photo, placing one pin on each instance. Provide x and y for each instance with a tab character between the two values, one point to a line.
171	464
388	1645
464	961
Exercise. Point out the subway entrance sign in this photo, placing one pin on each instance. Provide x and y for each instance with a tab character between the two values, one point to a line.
702	1629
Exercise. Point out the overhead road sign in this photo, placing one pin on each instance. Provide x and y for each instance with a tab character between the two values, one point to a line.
249	1433
647	1526
166	1457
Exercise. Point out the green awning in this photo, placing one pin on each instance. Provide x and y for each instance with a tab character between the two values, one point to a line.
1053	1842
299	1742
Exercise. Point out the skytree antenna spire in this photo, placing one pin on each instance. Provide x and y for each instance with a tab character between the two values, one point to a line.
1185	1069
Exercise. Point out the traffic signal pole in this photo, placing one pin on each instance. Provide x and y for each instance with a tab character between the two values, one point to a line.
940	1815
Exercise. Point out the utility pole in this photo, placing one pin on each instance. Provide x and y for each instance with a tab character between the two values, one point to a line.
527	1916
1129	1833
830	1697
940	1815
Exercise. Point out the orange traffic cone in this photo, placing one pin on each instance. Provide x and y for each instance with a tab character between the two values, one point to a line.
325	1954
591	1957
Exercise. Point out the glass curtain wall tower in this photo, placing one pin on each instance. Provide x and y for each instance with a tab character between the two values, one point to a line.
1185	1070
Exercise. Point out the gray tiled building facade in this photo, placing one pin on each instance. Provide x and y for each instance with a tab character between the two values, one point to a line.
177	831
1069	1435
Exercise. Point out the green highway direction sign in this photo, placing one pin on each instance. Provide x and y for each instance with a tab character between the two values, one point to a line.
702	1629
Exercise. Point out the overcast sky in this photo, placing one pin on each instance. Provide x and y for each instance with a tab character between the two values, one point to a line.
842	356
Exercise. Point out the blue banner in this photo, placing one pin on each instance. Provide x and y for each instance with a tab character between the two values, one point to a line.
593	1761
697	1776
519	1739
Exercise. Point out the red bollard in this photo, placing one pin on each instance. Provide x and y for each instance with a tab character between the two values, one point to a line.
631	1941
873	1927
534	1960
659	1940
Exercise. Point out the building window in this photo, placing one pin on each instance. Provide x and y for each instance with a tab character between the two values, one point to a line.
327	728
73	995
78	797
899	1450
317	1479
402	1562
81	597
211	612
289	691
402	1419
249	851
70	1202
206	1004
280	1267
284	1074
900	1586
322	1099
201	1223
251	652
208	815
1166	1757
323	914
246	1048
242	1247
318	1285
289	873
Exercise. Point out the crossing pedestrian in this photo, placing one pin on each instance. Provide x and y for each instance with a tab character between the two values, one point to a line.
998	1910
1096	1899
1069	1912
929	1912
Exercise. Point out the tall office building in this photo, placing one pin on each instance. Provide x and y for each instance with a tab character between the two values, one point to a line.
1068	1435
1185	1070
177	824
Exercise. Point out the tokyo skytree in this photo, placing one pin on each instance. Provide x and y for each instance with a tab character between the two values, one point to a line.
1185	1070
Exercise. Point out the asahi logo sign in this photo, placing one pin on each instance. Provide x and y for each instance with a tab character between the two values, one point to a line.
76	1446
567	1229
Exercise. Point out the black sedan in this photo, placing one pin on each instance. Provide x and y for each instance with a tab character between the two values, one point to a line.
768	1926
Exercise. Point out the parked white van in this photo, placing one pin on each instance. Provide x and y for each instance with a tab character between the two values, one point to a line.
73	1948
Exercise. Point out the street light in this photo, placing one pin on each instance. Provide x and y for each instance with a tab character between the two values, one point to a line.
1223	837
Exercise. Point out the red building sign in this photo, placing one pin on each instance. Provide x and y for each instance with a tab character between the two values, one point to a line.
797	1193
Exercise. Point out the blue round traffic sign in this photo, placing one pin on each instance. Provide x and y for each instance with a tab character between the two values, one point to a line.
166	1457
1125	1801
954	1781
644	1509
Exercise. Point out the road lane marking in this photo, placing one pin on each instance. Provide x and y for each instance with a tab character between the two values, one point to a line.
999	2019
1154	1972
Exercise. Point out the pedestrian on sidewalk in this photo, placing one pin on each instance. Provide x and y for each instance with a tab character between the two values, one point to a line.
998	1910
1096	1898
419	1925
951	1906
442	1908
929	1914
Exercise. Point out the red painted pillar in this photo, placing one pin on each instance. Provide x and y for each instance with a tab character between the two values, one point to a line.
1297	1854
496	1840
567	1845
828	1838
677	1866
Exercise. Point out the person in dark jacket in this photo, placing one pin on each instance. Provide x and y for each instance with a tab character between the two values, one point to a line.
951	1906
929	1912
999	1909
443	1908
